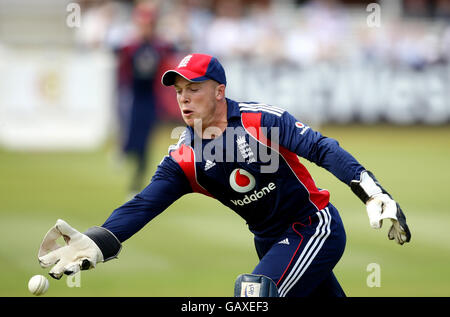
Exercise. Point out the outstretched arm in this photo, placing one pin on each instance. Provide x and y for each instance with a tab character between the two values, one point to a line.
167	185
327	153
99	244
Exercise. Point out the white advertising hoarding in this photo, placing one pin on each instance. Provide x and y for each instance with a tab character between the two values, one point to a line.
55	100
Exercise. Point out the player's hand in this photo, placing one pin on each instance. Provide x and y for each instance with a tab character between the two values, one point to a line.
382	206
80	253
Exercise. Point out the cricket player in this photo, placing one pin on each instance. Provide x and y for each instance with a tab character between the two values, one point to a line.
248	156
138	63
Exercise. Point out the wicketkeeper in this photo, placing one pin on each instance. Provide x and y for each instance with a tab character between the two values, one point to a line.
248	156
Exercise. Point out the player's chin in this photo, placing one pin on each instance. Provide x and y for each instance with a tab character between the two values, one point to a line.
189	121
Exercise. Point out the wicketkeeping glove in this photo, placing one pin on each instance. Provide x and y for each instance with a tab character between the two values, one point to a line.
82	252
380	205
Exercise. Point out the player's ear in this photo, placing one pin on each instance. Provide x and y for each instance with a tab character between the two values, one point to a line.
220	92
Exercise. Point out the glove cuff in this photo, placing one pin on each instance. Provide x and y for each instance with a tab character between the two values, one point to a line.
366	187
106	241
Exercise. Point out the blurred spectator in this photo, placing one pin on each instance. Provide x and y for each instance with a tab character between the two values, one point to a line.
97	20
138	65
445	45
185	22
319	34
265	31
443	9
417	8
304	33
329	35
227	33
172	26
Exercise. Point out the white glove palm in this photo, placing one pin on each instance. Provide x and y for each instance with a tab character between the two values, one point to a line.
79	253
381	206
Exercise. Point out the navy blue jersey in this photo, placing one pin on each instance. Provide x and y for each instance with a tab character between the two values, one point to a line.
254	167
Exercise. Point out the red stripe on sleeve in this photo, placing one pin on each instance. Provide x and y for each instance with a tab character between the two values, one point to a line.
320	198
184	156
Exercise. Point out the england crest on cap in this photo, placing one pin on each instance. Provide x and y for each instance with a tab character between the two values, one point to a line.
196	68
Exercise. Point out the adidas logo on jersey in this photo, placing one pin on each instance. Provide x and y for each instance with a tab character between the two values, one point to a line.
209	164
285	241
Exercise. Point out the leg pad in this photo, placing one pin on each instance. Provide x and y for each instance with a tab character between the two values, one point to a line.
251	285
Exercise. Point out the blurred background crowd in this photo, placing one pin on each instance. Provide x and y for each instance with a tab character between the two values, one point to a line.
335	43
415	33
80	90
302	55
76	72
325	61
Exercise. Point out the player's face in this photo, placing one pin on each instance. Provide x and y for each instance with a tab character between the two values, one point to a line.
197	101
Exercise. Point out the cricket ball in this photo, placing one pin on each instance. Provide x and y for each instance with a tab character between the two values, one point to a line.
38	285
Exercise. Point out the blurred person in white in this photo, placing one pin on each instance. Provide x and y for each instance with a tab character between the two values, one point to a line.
319	33
264	29
199	18
96	19
121	27
417	45
184	22
172	25
406	49
229	34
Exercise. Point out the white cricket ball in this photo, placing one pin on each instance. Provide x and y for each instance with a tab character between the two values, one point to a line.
38	285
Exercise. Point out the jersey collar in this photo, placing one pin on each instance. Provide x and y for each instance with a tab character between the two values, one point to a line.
232	109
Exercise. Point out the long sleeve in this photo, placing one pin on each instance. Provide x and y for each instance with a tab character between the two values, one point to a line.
167	185
312	145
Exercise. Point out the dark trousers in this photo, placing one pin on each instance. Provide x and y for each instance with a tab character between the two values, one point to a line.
301	260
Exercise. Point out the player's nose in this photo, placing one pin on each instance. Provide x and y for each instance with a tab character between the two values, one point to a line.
183	98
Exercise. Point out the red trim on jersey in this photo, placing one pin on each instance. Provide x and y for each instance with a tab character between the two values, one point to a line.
320	198
184	156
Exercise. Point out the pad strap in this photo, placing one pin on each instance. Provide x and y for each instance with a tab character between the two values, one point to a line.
367	186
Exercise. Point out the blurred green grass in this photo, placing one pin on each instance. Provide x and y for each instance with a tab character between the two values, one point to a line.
197	247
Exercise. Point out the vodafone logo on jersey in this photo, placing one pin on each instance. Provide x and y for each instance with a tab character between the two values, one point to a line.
242	181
